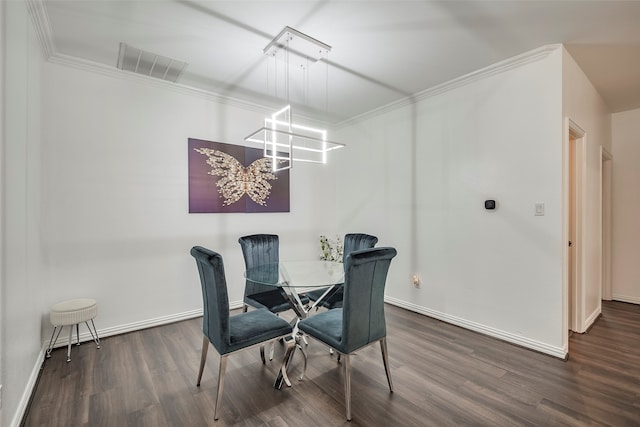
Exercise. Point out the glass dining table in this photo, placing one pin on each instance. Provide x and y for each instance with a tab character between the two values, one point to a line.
294	278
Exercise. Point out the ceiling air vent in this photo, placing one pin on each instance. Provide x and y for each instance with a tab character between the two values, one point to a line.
149	64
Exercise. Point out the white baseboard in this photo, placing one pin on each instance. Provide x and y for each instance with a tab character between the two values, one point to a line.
589	321
123	329
135	326
558	352
28	390
625	298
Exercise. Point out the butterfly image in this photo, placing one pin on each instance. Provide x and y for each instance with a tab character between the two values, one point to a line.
237	180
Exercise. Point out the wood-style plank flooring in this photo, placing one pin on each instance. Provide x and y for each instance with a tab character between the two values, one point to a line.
443	375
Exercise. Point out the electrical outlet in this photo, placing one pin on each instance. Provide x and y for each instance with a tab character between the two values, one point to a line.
0	396
416	281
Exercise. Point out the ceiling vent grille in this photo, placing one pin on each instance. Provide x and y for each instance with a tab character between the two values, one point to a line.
149	64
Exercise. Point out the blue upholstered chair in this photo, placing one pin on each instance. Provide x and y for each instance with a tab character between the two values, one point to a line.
229	334
261	249
361	320
352	242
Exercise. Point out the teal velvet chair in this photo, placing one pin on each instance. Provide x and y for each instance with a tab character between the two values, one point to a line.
226	333
352	242
361	320
261	249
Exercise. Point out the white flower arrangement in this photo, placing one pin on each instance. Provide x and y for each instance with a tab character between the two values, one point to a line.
331	249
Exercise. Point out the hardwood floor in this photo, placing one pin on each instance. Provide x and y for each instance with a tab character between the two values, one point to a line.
443	375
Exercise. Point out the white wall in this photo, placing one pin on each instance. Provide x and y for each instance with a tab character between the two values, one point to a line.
2	149
115	224
626	207
582	104
418	176
22	299
96	204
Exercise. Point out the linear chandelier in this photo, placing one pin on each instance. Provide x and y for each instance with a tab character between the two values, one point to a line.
283	140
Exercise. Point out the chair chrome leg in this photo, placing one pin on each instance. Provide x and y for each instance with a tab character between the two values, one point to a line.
385	360
304	355
223	367
203	357
77	333
271	351
288	355
264	362
347	386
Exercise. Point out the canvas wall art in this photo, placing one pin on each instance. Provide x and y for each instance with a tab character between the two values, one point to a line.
233	178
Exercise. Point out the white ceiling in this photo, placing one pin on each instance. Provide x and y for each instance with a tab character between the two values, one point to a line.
382	51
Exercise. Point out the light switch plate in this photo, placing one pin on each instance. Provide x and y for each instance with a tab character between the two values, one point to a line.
539	209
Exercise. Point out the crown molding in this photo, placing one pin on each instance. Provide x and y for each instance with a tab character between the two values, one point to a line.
97	68
94	67
42	27
40	19
491	70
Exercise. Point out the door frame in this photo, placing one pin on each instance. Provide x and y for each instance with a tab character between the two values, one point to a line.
606	175
574	295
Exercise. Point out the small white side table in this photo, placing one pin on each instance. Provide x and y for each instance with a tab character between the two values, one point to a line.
69	313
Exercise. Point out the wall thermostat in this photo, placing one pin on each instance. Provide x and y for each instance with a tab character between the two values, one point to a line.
489	204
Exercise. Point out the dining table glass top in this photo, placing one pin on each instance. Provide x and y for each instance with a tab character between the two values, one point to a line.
297	274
